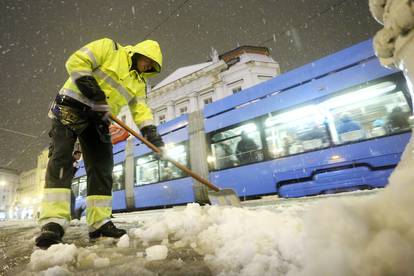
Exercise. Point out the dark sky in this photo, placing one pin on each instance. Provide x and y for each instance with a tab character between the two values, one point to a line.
38	36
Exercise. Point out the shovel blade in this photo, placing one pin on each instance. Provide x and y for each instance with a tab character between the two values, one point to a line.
224	197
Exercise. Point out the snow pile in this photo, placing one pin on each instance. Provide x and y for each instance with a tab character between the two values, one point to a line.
123	241
62	259
56	255
57	271
340	236
87	259
156	253
233	241
100	262
374	237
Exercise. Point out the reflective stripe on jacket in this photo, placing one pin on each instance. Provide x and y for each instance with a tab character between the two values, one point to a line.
110	64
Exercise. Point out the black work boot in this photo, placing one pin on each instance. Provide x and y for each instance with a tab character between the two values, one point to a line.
51	233
107	230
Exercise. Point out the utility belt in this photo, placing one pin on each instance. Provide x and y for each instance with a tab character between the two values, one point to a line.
77	116
70	112
71	102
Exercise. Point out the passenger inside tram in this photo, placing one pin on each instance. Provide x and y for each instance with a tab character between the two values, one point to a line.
349	129
397	120
246	150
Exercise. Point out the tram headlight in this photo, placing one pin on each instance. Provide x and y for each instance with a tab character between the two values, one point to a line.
336	158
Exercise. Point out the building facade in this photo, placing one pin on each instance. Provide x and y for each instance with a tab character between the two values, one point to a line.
25	197
30	189
9	180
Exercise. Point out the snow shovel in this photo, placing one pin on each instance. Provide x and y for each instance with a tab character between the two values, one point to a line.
223	197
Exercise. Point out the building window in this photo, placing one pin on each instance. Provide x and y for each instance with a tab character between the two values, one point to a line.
236	89
207	101
161	119
183	110
206	98
235	86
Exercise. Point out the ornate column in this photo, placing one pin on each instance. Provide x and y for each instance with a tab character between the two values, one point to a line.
193	103
170	111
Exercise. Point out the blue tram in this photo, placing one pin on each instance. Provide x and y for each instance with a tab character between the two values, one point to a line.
337	124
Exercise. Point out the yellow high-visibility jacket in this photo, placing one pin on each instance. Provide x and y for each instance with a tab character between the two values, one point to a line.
110	64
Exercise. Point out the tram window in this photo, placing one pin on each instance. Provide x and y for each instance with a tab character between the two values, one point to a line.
236	146
146	170
296	131
118	177
178	153
82	186
369	112
75	186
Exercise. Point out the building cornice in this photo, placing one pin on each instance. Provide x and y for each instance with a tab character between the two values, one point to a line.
211	69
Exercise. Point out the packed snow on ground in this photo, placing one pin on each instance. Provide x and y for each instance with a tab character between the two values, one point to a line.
156	252
372	237
338	236
123	241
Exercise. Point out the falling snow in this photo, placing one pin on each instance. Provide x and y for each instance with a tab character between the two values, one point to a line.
43	36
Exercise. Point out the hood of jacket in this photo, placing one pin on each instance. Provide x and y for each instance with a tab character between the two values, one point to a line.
150	49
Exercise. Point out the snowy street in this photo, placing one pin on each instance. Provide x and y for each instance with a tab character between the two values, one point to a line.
264	237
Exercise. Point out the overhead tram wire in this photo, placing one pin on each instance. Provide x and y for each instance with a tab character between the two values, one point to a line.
166	19
17	132
145	37
25	149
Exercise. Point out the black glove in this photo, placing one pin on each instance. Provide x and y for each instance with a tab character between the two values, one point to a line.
100	112
90	88
150	133
101	117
